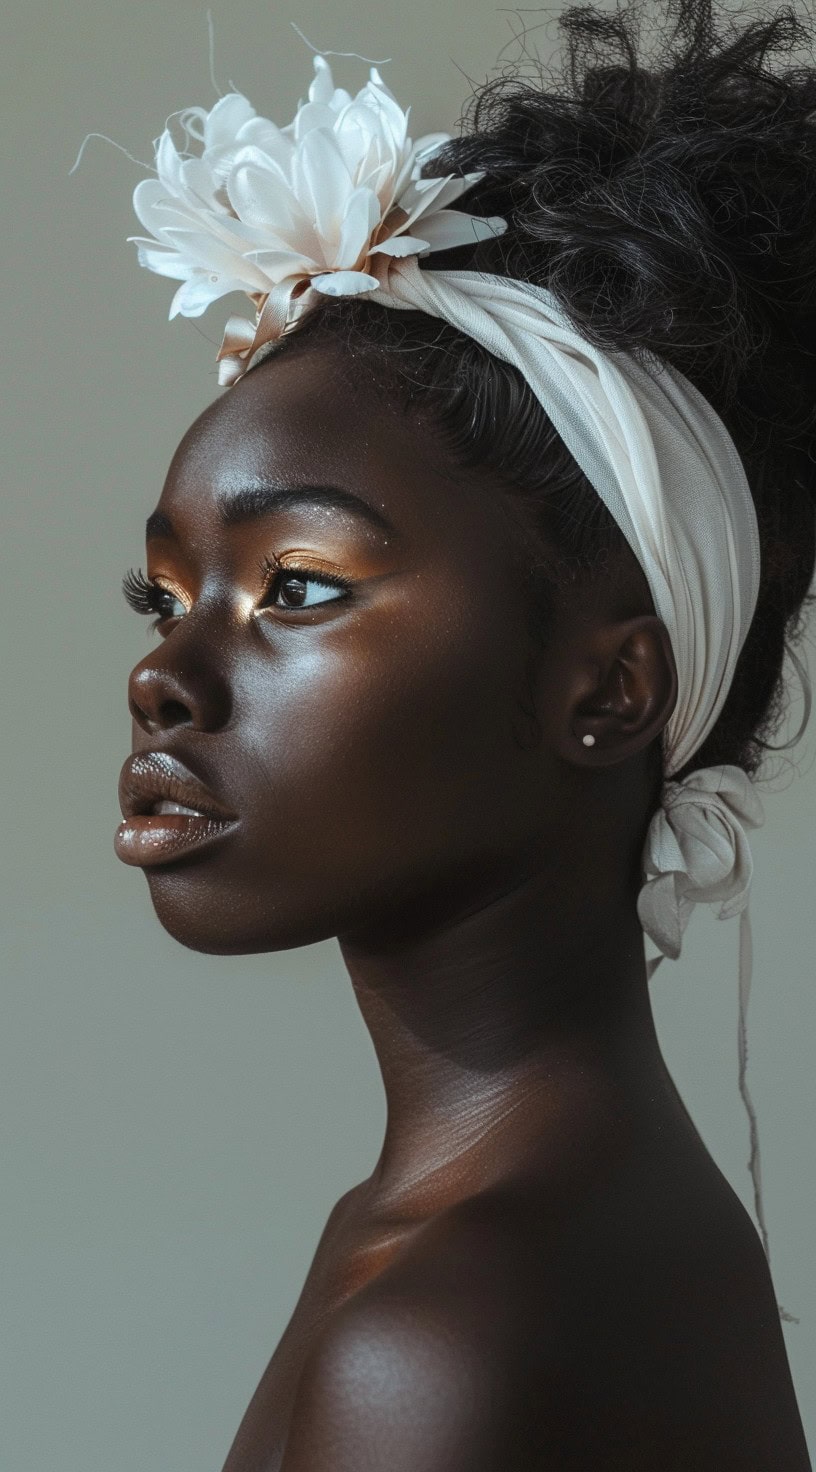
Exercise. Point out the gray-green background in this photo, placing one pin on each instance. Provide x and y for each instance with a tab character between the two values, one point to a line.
175	1127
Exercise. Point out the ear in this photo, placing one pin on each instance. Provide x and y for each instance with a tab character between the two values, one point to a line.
620	687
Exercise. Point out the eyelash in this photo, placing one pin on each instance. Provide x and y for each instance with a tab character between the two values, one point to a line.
145	595
274	574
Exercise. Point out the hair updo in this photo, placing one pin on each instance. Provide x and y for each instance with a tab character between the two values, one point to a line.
669	203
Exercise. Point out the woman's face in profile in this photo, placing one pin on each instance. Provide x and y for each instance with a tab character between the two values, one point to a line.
345	669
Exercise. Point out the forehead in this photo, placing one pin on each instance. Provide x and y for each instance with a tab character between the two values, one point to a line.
304	417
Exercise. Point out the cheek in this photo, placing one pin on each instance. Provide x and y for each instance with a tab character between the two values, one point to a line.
383	741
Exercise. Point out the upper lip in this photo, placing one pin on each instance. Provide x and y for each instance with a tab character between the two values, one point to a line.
149	777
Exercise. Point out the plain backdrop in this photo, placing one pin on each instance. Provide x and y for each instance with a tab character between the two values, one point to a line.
176	1127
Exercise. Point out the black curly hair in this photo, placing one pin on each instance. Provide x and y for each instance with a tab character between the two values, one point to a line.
667	198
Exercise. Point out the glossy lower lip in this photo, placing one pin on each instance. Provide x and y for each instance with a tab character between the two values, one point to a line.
147	839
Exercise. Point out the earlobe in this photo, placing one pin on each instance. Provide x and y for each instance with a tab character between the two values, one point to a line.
625	691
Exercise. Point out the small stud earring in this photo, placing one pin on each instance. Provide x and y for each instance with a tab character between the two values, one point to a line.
588	740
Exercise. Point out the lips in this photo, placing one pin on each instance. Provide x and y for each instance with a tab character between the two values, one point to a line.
150	778
167	811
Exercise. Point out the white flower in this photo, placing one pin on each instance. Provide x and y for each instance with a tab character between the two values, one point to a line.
308	204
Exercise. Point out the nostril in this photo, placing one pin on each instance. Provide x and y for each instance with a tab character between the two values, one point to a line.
174	713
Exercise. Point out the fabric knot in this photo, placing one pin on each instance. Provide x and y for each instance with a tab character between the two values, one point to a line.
697	851
278	311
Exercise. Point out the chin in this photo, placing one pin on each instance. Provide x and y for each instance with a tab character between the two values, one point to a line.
228	924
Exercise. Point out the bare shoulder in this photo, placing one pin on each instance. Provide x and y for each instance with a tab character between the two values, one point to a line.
416	1369
619	1331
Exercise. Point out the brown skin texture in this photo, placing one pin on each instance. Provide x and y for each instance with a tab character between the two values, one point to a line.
545	1268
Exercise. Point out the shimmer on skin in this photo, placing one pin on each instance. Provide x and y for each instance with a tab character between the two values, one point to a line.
545	1268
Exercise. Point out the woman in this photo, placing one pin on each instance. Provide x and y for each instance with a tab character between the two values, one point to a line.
431	682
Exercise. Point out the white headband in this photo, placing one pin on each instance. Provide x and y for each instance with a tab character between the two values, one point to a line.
669	473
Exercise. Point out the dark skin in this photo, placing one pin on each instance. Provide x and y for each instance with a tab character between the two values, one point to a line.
545	1268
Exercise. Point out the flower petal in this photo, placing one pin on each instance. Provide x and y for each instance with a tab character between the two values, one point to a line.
322	182
278	264
382	102
313	115
425	194
194	296
379	178
269	139
209	252
164	262
224	120
321	87
425	147
200	183
192	120
362	216
155	208
400	245
447	228
168	164
344	283
260	197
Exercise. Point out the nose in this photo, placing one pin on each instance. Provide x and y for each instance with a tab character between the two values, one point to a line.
164	691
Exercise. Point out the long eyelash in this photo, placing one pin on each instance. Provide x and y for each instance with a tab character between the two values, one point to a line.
142	593
272	570
145	596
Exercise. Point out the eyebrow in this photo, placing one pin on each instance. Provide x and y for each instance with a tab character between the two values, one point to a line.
256	501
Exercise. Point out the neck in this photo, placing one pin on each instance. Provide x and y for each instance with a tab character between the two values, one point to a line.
492	1027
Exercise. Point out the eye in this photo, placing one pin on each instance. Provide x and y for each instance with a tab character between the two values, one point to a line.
147	596
301	587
